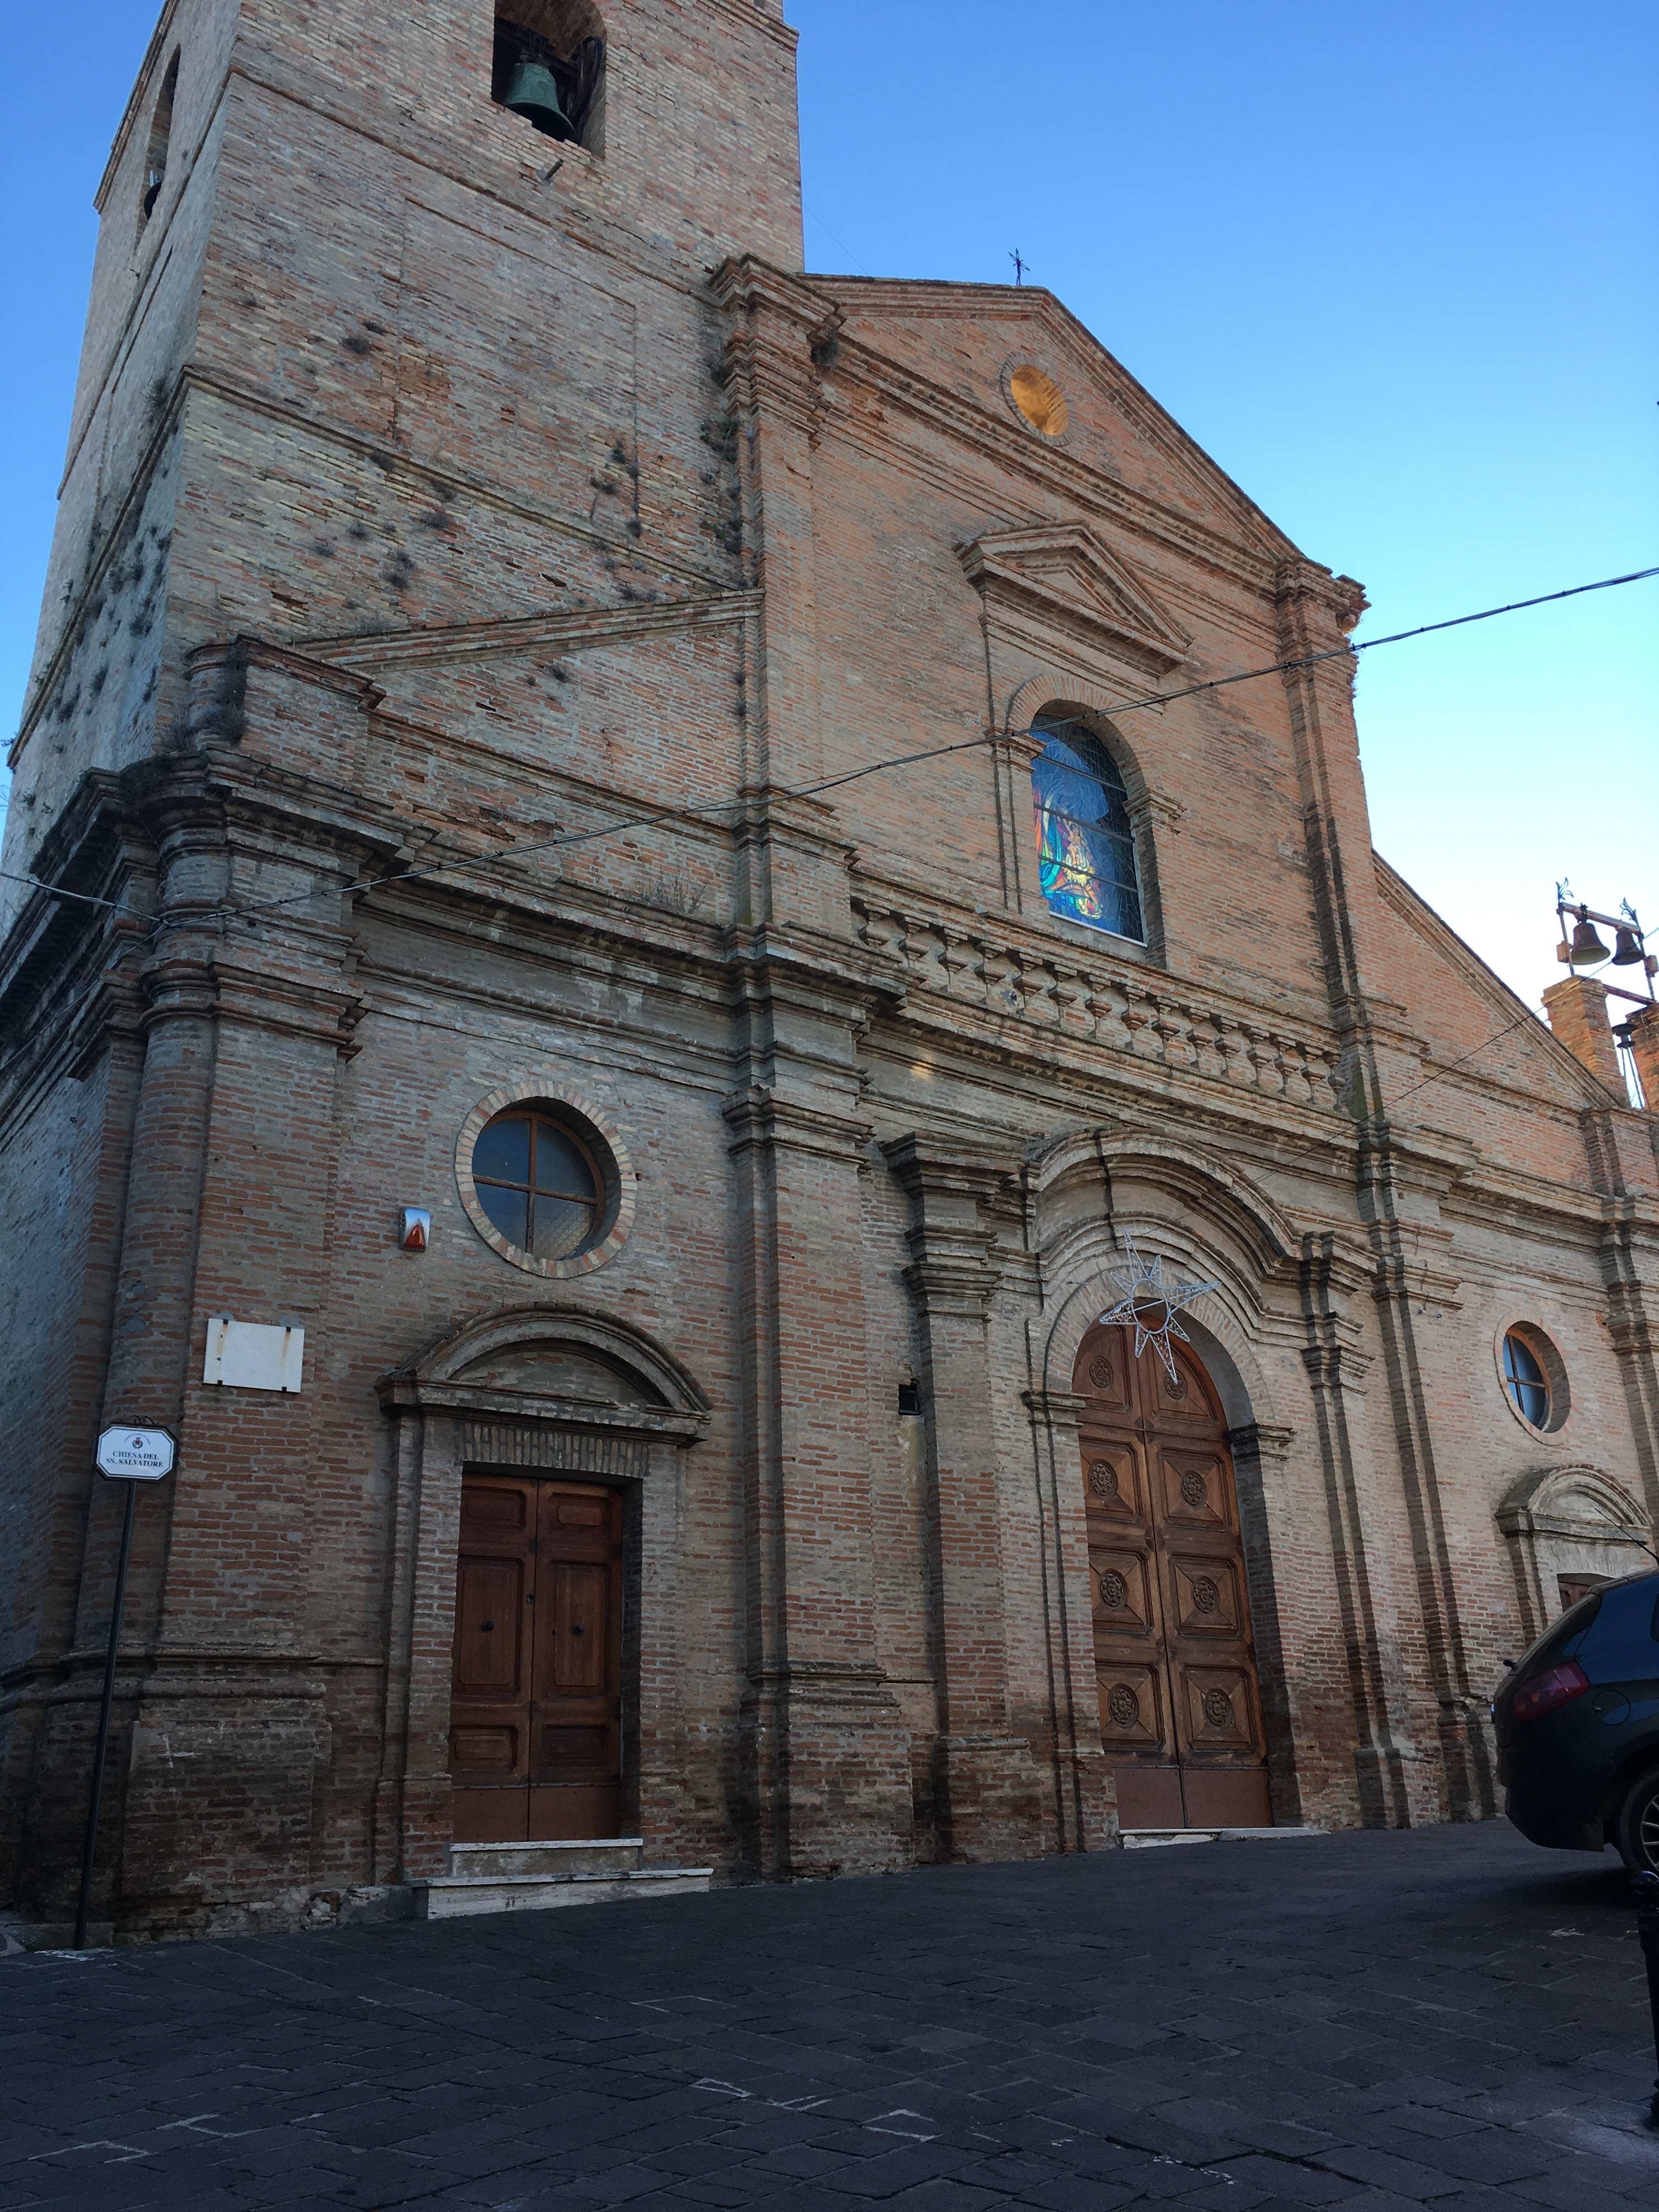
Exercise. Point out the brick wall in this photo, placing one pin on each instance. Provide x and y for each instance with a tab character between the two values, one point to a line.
425	510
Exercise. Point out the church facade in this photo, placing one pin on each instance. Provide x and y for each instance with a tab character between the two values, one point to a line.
614	980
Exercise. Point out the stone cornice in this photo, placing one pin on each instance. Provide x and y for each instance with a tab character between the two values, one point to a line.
559	629
1053	473
1339	598
758	1117
930	1165
1260	1440
921	298
393	461
952	1276
1334	1273
1337	1366
403	1394
1054	1409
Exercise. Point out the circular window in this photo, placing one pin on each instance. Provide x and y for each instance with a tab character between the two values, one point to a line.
545	1181
1036	400
538	1182
1533	1379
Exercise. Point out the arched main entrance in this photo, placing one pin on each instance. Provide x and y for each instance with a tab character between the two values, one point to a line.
1180	1707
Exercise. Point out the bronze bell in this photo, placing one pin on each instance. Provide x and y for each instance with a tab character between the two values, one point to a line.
1588	950
531	91
1627	949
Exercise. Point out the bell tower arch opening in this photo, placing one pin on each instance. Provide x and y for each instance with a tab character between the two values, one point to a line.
547	68
1181	1717
155	153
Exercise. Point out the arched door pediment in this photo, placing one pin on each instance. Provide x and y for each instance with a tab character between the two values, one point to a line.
555	1362
1193	1180
1567	1529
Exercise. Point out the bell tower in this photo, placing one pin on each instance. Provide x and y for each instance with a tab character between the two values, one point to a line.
402	334
381	293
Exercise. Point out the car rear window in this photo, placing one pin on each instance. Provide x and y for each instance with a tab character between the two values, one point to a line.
1563	1637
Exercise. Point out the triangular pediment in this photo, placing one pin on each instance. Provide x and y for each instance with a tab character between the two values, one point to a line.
1061	571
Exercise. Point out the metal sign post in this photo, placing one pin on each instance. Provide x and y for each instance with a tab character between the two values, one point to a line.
132	1457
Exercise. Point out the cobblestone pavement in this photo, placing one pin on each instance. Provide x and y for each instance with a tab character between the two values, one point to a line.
1447	2017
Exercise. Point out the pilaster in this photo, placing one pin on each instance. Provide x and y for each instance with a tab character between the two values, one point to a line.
1335	1366
1262	1450
985	1781
1086	1795
1466	1755
825	1757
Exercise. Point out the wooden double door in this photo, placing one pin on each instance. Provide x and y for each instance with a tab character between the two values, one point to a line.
534	1737
1180	1706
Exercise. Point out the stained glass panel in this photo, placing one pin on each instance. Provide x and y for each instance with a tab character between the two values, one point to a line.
1086	841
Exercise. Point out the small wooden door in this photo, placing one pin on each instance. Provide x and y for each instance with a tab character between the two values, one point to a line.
1180	1706
535	1738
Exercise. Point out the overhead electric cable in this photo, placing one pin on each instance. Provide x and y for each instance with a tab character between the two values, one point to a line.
935	752
1367	645
1452	1066
705	814
82	898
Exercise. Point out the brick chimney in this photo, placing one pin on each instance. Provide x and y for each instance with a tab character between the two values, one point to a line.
1577	1011
1644	1050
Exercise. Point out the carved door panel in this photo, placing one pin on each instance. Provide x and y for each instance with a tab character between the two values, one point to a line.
489	1716
1180	1709
535	1744
1127	1611
576	1749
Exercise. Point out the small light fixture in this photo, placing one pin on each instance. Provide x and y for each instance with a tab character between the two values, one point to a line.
416	1232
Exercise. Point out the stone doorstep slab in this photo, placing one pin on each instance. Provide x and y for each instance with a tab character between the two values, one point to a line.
1144	1839
451	1896
614	1855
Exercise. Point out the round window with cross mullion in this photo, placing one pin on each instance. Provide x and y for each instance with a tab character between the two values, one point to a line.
1526	1381
538	1184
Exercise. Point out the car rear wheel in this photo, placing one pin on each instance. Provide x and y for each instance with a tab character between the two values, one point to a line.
1636	1828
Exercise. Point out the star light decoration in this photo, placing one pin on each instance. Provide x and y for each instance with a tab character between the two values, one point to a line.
1151	1304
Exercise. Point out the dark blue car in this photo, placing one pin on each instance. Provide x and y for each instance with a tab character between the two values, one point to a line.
1577	1722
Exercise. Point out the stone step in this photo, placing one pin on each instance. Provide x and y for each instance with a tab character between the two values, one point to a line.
453	1896
612	1855
1142	1839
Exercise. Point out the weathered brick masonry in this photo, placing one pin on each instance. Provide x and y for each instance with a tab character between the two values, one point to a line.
436	493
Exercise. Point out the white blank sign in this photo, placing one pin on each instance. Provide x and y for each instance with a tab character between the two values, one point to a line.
252	1355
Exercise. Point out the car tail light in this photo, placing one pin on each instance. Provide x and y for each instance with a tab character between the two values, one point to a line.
1542	1693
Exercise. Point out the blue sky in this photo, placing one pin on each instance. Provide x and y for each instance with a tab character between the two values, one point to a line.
1392	266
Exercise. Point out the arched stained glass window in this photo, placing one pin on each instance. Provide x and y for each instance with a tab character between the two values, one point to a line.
1086	841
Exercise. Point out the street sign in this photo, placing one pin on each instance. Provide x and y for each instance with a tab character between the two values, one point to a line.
135	1455
132	1457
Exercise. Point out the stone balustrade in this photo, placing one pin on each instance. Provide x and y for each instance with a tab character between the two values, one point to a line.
1124	1008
